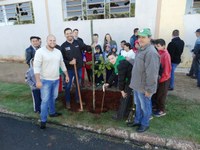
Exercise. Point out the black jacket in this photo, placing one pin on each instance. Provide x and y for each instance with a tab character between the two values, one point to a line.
124	75
175	49
74	50
30	53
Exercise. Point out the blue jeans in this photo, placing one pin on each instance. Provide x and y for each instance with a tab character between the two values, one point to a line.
143	108
49	93
171	85
198	76
68	85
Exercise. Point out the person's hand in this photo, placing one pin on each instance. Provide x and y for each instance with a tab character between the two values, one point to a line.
147	94
124	95
73	61
106	85
67	79
39	84
127	58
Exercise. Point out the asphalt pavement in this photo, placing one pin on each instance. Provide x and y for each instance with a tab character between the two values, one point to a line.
22	134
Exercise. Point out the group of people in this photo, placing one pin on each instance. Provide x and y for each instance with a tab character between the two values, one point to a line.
144	67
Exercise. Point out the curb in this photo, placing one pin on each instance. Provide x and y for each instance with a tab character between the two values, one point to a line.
123	134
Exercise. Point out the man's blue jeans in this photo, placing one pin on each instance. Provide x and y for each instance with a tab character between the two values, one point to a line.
143	108
198	76
68	85
49	93
172	75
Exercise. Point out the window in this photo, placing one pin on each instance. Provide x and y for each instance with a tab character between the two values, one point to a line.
196	6
20	13
97	9
193	6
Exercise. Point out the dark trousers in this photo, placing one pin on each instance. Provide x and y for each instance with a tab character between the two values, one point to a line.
194	67
99	79
159	98
89	74
36	100
125	104
108	74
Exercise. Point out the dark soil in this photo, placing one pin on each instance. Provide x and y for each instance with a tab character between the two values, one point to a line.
111	100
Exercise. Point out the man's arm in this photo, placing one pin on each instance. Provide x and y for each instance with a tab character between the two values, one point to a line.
170	49
152	63
37	66
28	54
65	55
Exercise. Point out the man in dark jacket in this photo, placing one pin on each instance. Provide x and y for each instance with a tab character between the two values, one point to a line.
134	37
122	69
175	49
72	54
30	51
196	51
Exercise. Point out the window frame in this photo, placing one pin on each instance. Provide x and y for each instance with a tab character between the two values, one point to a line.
15	15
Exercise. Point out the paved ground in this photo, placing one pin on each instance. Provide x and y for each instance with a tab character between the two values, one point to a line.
185	87
24	135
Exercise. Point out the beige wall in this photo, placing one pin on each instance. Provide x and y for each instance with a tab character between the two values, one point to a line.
169	17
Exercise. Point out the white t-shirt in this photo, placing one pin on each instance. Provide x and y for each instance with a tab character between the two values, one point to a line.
47	63
129	54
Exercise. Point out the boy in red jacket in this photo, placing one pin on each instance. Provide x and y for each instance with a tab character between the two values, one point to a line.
161	94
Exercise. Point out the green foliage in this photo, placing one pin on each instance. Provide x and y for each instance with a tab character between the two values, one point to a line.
101	65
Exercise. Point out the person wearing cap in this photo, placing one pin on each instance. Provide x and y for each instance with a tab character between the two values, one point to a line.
144	80
30	51
196	51
175	49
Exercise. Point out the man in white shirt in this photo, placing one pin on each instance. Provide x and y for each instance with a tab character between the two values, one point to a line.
46	66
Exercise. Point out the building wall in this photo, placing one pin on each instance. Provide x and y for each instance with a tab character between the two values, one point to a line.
15	38
120	29
161	16
172	16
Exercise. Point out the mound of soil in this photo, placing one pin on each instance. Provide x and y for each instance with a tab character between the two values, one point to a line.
111	100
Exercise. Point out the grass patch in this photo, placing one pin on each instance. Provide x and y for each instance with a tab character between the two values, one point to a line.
182	120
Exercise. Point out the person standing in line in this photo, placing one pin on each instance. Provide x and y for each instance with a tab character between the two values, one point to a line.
36	96
122	46
128	52
159	97
134	37
193	73
30	51
72	55
46	66
76	37
196	51
175	49
96	41
108	41
144	80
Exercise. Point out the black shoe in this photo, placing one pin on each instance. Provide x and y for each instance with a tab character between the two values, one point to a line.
131	124
142	129
189	75
193	77
55	115
170	89
43	125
